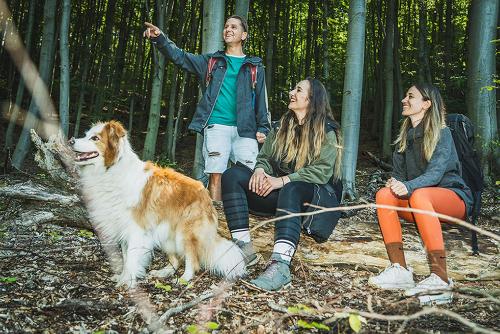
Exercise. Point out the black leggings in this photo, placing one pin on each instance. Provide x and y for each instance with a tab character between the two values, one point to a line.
238	199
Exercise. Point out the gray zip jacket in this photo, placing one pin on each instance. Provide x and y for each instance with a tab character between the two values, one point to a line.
443	169
251	104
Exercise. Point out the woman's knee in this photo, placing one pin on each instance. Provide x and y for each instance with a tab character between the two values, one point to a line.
384	196
234	176
418	197
294	194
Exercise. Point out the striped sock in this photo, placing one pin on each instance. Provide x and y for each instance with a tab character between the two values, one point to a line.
285	249
241	234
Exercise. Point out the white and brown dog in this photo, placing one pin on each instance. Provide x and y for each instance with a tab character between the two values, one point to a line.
141	206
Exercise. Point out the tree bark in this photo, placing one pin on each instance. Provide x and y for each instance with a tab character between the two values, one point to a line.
46	56
424	70
389	81
481	92
81	96
242	8
156	93
213	24
14	112
64	92
353	85
270	46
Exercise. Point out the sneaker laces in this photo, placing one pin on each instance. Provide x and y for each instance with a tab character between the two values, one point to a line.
386	271
271	269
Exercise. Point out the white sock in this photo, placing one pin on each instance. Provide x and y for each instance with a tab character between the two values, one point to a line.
285	249
243	235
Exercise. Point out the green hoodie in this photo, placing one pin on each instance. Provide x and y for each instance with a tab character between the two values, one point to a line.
319	172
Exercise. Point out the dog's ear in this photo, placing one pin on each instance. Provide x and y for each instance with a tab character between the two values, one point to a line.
112	133
116	128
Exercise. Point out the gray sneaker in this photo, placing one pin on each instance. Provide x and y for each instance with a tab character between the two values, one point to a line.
251	257
275	277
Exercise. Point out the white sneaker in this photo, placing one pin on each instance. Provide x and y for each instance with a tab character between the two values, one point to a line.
432	291
393	277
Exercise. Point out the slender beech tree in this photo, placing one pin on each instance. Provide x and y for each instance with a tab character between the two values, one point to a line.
9	140
180	35
270	45
213	24
64	84
105	57
156	90
45	66
424	70
388	80
325	32
481	95
352	94
242	8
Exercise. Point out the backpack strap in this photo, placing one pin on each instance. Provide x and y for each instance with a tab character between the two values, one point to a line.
253	71
211	63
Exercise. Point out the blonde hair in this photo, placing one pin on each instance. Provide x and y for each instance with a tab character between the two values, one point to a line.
432	122
301	144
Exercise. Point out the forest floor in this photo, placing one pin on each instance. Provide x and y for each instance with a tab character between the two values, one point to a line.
56	279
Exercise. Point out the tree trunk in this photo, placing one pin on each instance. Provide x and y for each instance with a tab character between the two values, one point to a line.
309	37
46	56
424	71
213	24
81	97
481	92
326	64
156	93
398	81
353	85
64	92
242	8
125	25
106	50
389	81
9	140
168	138
270	46
448	39
131	115
179	115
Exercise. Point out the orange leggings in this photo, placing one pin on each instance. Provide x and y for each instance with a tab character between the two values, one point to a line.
440	200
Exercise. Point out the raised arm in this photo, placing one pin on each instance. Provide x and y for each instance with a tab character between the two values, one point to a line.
187	61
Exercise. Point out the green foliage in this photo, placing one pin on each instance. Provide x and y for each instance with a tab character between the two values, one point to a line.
306	325
8	279
55	236
186	283
195	329
212	325
163	161
355	322
85	234
299	308
164	287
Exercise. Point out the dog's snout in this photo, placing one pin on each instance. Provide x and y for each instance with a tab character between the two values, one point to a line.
71	141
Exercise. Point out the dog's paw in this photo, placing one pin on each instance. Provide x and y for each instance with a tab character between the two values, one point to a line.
162	273
126	281
185	278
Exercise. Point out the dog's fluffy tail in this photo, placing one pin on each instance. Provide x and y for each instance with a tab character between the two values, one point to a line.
225	259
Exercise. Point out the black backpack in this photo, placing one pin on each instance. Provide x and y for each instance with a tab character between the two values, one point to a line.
462	131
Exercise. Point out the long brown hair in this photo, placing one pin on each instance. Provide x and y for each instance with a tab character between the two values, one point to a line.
432	122
301	144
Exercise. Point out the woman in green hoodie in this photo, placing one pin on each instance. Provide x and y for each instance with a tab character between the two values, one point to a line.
297	164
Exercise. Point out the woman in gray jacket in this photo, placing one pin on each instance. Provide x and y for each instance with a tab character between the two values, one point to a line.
426	176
